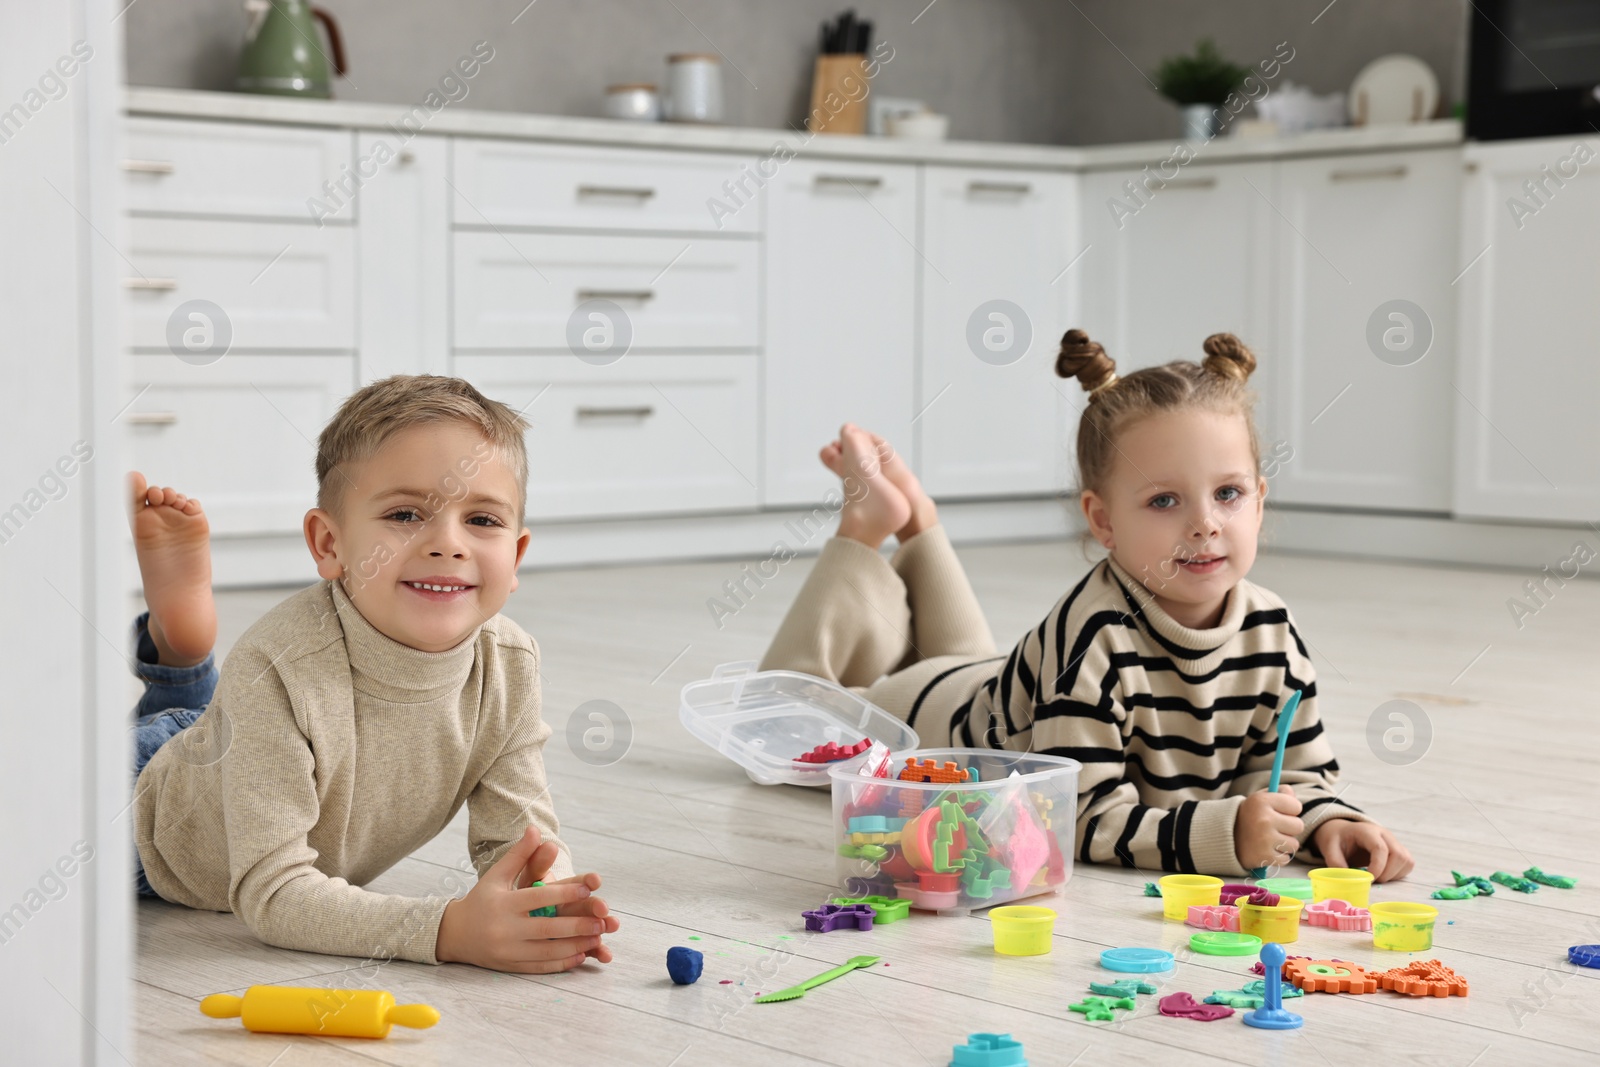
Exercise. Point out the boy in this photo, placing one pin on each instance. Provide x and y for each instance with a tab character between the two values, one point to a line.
352	721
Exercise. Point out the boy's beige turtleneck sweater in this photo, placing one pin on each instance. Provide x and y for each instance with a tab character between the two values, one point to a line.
330	752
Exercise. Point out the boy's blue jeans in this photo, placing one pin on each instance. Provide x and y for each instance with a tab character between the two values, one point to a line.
173	698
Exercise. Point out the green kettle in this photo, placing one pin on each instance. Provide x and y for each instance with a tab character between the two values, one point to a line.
282	54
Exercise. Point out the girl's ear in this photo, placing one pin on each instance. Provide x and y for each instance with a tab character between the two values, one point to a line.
1098	516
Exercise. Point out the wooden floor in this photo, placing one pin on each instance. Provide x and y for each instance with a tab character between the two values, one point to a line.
693	854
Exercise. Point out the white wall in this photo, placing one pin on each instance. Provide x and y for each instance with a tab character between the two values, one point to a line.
64	923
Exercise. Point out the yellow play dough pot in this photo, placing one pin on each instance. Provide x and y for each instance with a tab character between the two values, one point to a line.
1401	926
1022	929
1279	922
1348	884
1180	892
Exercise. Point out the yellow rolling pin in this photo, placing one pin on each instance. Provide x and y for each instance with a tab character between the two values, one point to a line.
282	1009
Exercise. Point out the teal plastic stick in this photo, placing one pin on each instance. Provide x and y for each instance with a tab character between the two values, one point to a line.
1285	723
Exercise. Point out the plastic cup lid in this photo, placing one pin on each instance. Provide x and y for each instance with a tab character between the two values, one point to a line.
1584	955
1225	943
1136	960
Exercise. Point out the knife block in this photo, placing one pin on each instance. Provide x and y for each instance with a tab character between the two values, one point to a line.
839	89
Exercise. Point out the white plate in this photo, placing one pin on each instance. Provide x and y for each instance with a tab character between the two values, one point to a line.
1393	89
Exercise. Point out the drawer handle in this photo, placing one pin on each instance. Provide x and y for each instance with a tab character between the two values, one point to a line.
865	181
152	418
150	283
615	294
638	192
148	166
1014	188
642	411
1368	175
1207	182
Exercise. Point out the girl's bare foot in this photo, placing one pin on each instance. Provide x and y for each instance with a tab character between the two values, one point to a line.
923	511
173	541
873	507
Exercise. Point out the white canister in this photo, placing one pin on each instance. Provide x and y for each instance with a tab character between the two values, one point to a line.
637	101
694	88
918	126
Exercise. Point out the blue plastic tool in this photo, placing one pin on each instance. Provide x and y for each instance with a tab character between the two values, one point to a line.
1285	723
1271	1015
1136	960
1584	955
988	1050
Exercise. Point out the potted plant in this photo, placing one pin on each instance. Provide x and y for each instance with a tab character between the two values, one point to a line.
1199	84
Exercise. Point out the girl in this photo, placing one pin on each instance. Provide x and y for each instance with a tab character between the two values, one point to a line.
1162	671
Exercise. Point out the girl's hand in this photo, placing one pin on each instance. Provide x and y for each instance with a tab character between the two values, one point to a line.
1267	829
491	927
1349	843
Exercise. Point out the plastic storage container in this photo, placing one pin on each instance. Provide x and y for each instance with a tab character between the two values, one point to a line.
1180	892
1351	885
1402	926
955	846
1022	930
765	720
1278	922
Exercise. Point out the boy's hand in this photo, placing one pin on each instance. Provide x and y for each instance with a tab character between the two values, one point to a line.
1348	843
491	927
538	866
1267	829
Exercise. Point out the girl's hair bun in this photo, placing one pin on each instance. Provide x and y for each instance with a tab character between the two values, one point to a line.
1227	357
1084	360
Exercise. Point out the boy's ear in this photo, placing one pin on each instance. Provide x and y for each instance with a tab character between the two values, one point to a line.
523	540
322	539
1099	518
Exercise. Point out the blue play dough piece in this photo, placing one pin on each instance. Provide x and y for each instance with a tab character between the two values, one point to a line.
684	965
1584	955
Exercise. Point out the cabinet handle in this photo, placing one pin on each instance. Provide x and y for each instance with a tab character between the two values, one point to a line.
148	166
615	294
1367	175
642	411
1207	182
864	181
637	192
150	283
152	418
1015	188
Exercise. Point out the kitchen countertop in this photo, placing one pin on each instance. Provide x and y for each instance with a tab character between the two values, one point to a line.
244	107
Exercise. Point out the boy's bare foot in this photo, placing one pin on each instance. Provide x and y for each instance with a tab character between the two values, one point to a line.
923	511
173	541
873	507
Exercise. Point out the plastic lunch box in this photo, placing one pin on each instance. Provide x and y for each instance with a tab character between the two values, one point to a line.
764	720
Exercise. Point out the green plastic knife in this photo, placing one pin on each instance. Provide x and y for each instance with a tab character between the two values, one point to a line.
795	992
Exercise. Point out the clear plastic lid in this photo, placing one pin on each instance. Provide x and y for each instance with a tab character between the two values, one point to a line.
765	720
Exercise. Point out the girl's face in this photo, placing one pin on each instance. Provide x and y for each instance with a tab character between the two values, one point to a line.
1181	510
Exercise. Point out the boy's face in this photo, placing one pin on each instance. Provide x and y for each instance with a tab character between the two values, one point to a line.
435	505
1182	510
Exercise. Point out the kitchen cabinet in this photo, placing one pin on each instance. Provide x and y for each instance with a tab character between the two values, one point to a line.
841	324
238	434
1529	441
1365	338
403	259
654	435
1171	262
996	247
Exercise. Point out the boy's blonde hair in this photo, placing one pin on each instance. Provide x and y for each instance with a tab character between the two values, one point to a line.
374	413
1115	402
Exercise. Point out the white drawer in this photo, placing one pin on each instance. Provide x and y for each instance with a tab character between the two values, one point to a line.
237	434
523	290
503	183
178	167
653	436
279	285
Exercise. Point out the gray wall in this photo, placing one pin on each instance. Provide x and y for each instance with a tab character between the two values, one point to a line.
1037	71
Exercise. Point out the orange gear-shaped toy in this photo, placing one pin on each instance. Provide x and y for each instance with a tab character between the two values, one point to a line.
1329	976
1424	978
